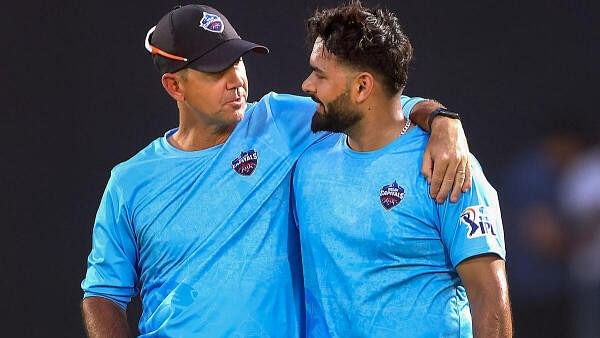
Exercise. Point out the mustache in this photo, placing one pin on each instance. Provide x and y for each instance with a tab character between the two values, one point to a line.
314	98
237	94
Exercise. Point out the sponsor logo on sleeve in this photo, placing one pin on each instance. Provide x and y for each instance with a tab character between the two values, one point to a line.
391	195
212	23
245	164
480	221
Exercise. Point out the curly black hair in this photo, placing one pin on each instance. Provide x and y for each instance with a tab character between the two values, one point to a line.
364	38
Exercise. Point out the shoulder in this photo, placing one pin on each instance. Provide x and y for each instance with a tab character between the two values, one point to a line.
275	103
416	140
408	148
480	182
287	100
482	193
326	147
129	169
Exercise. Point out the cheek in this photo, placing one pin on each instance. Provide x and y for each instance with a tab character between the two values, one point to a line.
245	86
326	93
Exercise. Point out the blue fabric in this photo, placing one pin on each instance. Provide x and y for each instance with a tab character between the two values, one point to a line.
206	236
379	254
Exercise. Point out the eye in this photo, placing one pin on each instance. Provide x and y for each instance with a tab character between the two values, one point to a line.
316	72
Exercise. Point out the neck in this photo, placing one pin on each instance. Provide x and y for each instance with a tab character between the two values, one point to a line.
192	139
382	122
194	134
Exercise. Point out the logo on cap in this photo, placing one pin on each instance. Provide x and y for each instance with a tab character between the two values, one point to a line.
245	163
212	23
391	195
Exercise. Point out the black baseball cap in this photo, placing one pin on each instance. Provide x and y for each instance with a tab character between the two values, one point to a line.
196	36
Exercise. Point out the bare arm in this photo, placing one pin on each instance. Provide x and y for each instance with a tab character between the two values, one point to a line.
103	318
484	278
446	158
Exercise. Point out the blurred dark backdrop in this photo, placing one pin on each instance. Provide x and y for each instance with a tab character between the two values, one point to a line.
80	94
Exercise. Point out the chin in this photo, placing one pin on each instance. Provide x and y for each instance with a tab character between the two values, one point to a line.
241	111
238	115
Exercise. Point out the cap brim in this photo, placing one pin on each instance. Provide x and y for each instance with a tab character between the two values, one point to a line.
225	55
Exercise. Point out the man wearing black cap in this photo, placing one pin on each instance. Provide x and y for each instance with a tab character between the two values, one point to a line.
199	221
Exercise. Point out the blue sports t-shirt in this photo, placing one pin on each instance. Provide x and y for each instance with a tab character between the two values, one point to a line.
379	253
206	237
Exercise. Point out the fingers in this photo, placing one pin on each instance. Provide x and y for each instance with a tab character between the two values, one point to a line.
427	166
439	170
459	181
467	183
447	181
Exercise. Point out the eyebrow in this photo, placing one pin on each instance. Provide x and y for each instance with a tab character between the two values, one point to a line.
316	69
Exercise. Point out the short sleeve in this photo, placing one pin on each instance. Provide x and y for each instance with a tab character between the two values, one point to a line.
292	116
473	225
111	267
408	103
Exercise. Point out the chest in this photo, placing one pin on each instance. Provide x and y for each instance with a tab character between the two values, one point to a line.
201	203
377	207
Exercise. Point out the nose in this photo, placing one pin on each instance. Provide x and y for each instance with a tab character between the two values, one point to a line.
235	77
307	85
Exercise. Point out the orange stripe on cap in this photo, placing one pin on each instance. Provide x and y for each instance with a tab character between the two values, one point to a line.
154	50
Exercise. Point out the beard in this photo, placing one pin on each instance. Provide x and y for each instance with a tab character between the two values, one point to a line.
338	115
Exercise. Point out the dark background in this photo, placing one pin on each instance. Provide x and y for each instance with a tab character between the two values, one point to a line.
79	94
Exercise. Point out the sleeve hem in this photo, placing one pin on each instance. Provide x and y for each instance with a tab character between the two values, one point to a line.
478	252
121	304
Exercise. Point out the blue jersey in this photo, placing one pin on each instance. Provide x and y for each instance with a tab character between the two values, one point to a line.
206	237
379	253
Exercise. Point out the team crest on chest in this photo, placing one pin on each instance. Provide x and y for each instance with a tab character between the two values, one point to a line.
245	164
212	23
391	195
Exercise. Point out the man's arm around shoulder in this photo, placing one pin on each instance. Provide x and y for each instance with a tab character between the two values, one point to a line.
484	277
446	158
103	318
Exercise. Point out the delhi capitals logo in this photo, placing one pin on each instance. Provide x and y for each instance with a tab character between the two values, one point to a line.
479	221
391	195
212	23
245	163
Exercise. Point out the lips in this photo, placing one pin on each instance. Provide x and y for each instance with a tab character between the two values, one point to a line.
320	106
237	102
234	100
314	98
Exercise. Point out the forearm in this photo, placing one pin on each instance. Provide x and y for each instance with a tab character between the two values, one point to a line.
491	316
421	112
103	318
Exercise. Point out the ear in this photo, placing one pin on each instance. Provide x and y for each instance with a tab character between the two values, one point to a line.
173	85
362	87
